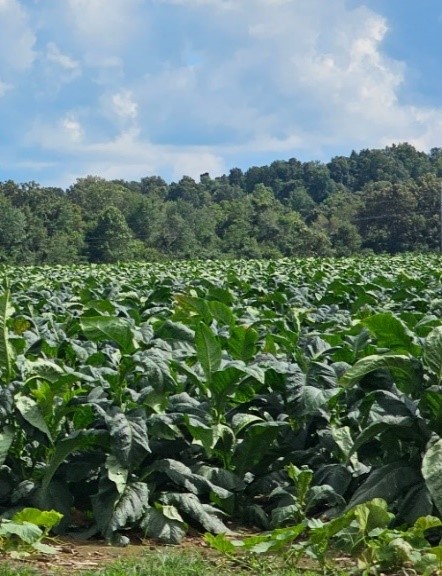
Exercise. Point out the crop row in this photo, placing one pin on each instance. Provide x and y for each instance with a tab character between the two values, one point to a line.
157	397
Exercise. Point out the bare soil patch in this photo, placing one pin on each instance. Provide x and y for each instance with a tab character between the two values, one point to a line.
75	555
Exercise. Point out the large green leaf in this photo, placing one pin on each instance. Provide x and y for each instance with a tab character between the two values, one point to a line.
432	472
6	349
173	332
208	349
76	441
27	531
402	367
258	439
117	473
226	382
431	408
6	439
182	476
114	511
312	400
131	506
164	523
242	343
387	482
190	505
193	305
222	314
30	411
46	518
56	496
128	434
391	333
206	436
432	354
416	504
115	329
402	425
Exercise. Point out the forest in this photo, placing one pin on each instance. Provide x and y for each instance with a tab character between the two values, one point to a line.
372	201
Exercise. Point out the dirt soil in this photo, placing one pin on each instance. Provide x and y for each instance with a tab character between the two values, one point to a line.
74	555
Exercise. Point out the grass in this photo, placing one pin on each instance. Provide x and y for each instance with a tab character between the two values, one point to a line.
166	563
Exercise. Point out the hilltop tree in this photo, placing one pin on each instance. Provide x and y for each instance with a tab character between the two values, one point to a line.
111	240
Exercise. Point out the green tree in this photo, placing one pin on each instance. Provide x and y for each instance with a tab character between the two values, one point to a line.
111	240
12	232
336	217
317	181
390	219
173	235
93	194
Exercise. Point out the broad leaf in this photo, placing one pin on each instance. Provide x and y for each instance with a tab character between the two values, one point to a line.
222	313
432	472
117	473
6	349
391	333
129	441
194	306
115	329
432	354
46	518
182	476
258	439
387	482
416	504
56	496
208	349
6	439
114	511
27	531
30	411
78	440
158	524
190	505
242	343
402	367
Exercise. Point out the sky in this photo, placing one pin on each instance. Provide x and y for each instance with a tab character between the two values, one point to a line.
125	89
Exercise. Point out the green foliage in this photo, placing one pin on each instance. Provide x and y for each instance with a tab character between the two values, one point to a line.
23	534
267	393
372	201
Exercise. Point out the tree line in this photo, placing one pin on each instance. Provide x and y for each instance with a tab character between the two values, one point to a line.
373	201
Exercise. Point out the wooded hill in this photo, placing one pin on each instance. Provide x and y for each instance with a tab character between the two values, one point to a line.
373	201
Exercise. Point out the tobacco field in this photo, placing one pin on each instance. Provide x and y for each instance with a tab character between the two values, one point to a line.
163	398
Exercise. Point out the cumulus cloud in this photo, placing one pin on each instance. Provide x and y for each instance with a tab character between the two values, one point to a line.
189	86
283	75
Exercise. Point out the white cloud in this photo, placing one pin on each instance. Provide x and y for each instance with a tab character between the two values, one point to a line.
4	87
17	39
127	156
56	56
72	128
287	75
239	77
124	105
103	26
63	135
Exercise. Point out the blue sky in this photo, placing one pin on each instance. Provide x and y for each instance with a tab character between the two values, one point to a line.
132	88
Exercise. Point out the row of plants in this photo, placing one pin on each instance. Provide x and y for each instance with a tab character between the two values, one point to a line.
158	397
